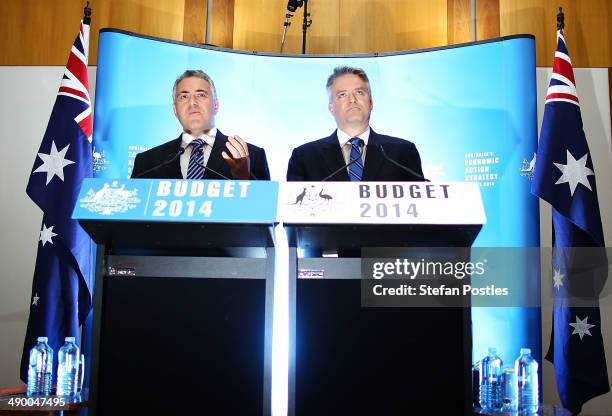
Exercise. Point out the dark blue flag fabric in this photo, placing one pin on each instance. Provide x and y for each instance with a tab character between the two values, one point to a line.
61	296
564	176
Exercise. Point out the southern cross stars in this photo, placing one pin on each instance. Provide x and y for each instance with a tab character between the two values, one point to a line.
581	327
54	162
35	299
574	172
558	279
47	234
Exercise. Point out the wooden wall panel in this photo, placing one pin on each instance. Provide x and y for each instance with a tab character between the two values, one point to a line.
381	26
194	24
34	32
323	33
38	33
222	22
587	28
487	19
222	31
258	26
459	21
160	18
342	26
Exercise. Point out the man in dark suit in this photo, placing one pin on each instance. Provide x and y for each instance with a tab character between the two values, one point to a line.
201	151
350	102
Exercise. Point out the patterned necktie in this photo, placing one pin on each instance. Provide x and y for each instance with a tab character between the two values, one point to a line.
356	169
195	170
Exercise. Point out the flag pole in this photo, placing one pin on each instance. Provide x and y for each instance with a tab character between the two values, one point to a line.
61	295
579	260
560	19
87	14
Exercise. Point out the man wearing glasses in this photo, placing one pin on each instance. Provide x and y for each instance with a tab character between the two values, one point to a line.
354	151
201	151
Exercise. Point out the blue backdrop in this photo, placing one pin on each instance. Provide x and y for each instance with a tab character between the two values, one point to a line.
470	110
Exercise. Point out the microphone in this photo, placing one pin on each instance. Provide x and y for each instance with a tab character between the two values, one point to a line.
215	172
399	165
161	165
223	176
334	173
293	5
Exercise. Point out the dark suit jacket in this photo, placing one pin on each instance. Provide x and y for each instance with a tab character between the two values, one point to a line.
316	160
164	152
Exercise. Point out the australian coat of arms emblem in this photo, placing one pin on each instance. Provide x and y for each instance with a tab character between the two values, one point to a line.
528	167
312	200
110	199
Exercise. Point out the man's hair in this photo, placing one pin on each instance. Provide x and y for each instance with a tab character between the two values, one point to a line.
348	70
198	74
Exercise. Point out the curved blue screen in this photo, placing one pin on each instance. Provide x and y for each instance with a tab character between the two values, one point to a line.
470	110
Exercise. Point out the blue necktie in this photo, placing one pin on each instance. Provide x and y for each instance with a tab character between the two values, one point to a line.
195	170
356	169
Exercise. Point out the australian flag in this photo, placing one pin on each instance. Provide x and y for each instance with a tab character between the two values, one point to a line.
564	176
61	298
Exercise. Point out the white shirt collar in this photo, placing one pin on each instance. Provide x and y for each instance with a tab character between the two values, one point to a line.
343	138
209	137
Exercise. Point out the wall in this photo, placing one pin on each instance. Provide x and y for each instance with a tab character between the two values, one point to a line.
342	26
588	32
35	32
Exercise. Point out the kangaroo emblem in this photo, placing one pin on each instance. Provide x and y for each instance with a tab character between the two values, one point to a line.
300	197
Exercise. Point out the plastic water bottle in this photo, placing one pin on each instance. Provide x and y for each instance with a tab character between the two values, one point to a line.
490	382
476	384
68	368
80	374
526	370
40	369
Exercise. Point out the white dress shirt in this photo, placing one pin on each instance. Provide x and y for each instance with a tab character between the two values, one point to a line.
208	137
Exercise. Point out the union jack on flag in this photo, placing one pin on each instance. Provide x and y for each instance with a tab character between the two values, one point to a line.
562	85
61	296
565	177
75	83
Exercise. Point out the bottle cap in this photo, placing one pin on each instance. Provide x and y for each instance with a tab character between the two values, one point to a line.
492	350
42	339
525	351
70	339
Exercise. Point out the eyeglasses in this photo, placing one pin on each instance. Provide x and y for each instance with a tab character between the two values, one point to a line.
185	97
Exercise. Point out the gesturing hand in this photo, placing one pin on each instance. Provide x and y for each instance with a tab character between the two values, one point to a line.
238	158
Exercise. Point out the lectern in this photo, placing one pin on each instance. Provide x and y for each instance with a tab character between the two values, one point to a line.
183	297
348	357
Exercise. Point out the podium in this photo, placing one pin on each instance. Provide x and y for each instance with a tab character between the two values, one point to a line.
346	358
183	295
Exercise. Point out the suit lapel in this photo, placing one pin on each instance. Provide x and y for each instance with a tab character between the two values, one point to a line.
215	161
374	160
173	169
332	156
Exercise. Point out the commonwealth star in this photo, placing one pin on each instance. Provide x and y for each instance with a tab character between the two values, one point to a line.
574	172
54	163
